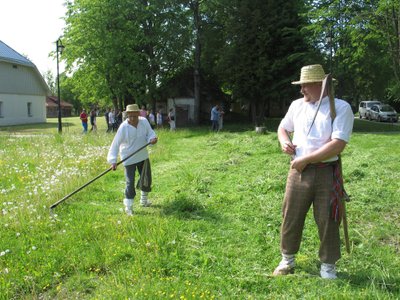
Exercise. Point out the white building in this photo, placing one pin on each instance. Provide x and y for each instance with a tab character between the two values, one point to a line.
23	90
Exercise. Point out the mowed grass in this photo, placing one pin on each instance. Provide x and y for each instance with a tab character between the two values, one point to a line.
213	231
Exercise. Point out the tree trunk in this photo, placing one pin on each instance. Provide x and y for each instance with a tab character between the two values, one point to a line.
197	53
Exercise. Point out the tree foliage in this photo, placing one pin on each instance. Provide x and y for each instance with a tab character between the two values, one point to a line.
122	50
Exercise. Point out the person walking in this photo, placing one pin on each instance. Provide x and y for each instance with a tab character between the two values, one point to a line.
106	115
317	142
215	118
152	119
221	119
111	120
171	119
84	119
93	116
159	119
134	133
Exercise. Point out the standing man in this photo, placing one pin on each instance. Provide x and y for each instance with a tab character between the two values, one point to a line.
93	115
111	119
317	142
84	118
215	118
134	133
171	119
106	115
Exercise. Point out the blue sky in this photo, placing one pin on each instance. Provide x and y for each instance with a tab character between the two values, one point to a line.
31	28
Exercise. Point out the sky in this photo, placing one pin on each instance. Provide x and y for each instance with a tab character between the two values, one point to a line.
32	27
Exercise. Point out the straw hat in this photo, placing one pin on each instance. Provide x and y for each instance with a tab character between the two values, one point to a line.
310	74
132	107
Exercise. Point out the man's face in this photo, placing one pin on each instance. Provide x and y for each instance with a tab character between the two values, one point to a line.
311	91
133	116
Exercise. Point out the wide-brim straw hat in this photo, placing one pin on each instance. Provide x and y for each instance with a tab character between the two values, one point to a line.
132	108
310	74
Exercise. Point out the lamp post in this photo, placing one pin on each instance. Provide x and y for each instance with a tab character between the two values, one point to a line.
59	49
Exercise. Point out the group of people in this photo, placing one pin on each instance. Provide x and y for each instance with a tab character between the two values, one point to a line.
114	118
84	119
158	119
313	133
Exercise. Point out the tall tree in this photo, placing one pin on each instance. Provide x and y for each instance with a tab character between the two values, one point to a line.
263	51
122	49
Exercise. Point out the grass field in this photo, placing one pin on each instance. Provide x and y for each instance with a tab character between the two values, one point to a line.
213	231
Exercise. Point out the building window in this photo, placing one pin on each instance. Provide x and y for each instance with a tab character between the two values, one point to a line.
29	109
1	109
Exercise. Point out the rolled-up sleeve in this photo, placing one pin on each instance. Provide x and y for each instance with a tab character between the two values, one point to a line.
343	123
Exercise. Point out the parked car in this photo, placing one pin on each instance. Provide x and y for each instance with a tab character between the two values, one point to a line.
383	112
365	106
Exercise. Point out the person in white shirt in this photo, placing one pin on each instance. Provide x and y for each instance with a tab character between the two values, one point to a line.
111	119
132	134
317	142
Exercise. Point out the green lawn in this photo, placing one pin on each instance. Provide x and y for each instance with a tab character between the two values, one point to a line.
213	231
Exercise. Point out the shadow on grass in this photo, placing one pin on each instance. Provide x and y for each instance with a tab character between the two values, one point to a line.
186	207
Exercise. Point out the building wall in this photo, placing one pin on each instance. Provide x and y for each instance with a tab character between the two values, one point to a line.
22	95
185	103
19	79
15	109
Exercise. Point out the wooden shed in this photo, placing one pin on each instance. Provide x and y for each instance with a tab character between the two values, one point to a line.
52	107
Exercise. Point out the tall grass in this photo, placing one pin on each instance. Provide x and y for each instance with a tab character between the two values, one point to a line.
213	231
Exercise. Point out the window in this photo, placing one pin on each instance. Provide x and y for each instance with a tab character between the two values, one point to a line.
29	109
1	109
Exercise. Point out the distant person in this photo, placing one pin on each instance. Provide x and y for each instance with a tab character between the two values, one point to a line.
215	113
159	119
84	119
111	119
118	119
314	177
221	119
171	120
106	116
93	116
143	112
134	133
152	119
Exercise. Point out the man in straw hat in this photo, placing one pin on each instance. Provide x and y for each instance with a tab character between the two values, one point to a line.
132	134
317	142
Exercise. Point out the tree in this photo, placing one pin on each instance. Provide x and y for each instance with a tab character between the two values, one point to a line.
51	81
263	51
364	44
122	50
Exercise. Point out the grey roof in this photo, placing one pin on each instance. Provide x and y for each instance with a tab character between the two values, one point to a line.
10	55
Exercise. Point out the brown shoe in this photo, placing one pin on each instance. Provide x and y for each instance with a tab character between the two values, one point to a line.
283	271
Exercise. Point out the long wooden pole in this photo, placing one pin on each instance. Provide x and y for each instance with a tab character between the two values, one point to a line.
329	85
94	179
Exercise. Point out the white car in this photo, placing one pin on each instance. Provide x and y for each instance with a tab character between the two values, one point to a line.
365	106
383	112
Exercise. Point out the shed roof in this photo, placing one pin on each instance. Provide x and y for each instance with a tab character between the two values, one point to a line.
52	101
10	55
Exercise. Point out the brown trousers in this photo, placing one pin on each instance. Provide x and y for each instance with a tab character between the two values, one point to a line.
313	186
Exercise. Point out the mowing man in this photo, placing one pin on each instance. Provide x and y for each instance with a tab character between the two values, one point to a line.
318	139
134	133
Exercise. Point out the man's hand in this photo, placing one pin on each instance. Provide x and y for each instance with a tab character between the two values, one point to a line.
113	167
153	141
288	148
299	164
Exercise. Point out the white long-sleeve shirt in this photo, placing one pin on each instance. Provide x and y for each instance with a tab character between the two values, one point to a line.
129	139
